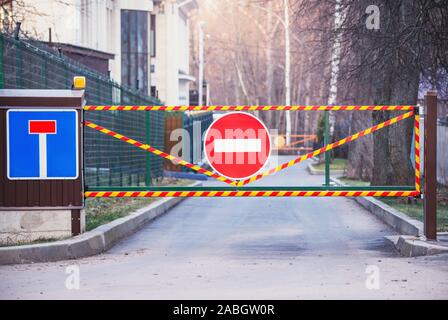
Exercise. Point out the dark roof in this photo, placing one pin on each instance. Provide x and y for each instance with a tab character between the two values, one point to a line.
33	97
80	50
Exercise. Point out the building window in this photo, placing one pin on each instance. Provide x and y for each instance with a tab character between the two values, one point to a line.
154	92
153	35
134	49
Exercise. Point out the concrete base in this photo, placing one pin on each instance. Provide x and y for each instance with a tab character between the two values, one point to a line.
25	226
90	243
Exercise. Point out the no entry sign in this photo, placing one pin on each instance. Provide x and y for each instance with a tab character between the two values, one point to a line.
237	145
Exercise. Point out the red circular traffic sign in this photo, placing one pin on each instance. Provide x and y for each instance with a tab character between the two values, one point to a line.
237	145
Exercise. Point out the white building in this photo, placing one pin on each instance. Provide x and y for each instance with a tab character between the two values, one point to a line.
149	39
171	51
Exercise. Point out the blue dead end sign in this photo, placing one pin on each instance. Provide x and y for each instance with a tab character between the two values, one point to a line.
42	144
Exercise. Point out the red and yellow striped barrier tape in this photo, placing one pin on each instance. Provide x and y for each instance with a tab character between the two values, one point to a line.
247	108
247	193
264	193
417	151
160	153
326	148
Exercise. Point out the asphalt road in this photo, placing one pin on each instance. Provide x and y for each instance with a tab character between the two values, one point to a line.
245	248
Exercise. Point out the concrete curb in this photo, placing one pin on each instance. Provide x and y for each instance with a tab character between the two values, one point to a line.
412	242
392	217
185	175
315	172
410	246
90	243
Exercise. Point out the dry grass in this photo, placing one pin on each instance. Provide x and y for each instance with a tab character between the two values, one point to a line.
103	210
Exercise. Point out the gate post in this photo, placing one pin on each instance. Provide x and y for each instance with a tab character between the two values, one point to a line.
326	142
430	166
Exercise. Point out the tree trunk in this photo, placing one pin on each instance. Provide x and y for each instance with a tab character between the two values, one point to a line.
360	157
392	145
396	83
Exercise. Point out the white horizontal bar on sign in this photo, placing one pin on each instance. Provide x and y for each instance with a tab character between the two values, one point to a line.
237	145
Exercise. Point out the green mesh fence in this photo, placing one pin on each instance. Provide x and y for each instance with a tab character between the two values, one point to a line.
108	162
202	120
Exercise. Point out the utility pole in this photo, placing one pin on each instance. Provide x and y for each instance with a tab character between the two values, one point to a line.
287	72
201	62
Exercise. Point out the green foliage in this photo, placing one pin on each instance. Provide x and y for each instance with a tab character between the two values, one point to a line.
103	210
415	210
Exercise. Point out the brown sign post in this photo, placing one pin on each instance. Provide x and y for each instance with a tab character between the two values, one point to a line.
40	207
430	166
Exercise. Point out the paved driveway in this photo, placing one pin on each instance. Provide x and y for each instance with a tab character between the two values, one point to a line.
245	248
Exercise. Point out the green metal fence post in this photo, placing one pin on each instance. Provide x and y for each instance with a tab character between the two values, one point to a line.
18	66
99	159
68	83
148	155
327	154
45	73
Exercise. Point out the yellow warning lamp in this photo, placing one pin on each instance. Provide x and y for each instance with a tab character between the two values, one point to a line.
79	83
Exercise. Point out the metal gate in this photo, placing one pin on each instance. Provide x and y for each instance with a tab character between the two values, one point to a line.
242	188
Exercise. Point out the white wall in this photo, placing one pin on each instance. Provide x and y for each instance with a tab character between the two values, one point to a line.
172	54
37	16
96	24
142	5
183	41
167	58
86	23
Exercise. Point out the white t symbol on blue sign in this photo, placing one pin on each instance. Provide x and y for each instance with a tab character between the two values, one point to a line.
42	144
